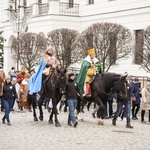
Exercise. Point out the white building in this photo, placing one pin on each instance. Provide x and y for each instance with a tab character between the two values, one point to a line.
46	15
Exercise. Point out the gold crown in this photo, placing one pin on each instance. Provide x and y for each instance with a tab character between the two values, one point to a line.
91	51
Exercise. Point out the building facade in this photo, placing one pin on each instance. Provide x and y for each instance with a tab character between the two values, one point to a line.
42	16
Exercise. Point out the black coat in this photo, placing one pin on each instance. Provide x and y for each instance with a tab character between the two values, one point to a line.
9	92
127	98
72	89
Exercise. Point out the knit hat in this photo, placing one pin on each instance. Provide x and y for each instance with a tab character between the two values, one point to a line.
7	77
136	79
123	76
91	51
71	74
49	48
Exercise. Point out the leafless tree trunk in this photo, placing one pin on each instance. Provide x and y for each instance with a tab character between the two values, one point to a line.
111	42
63	42
143	49
28	49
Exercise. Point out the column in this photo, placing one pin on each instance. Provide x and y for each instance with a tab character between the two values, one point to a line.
53	7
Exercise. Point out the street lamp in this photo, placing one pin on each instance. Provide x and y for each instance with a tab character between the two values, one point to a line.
18	19
1	57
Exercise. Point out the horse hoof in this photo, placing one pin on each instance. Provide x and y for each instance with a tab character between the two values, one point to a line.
50	121
41	118
81	120
57	124
100	122
35	119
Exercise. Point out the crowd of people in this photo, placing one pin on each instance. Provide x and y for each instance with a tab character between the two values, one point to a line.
18	84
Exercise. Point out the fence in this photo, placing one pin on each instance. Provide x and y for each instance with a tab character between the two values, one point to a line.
69	9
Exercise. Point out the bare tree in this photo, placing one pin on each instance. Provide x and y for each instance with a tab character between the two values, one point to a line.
63	42
28	49
111	42
142	49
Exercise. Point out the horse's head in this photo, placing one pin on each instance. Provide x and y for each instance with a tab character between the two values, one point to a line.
121	87
61	80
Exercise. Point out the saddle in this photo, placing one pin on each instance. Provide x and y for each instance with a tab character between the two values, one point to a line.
45	80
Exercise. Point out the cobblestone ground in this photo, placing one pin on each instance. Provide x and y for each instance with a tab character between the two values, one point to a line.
25	134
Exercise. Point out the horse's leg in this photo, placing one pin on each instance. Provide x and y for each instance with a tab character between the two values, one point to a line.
65	108
78	109
54	109
40	102
101	110
33	98
106	113
51	118
88	106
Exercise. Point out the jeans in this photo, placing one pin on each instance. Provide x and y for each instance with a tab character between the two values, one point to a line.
127	105
7	104
110	103
72	104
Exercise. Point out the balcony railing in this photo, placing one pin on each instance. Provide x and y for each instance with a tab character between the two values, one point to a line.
43	9
69	9
28	11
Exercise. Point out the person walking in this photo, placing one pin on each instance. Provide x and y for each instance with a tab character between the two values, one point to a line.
145	102
135	97
9	94
126	102
72	90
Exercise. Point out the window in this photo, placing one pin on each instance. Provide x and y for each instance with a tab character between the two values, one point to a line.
24	3
138	47
90	1
71	3
40	7
40	1
112	49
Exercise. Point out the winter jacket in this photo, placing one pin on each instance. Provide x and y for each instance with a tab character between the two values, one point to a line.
135	92
9	92
127	98
72	89
145	100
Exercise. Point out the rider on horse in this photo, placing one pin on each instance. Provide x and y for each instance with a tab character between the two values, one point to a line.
48	64
90	67
51	61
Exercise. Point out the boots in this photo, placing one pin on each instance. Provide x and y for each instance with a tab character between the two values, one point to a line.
88	89
128	124
114	121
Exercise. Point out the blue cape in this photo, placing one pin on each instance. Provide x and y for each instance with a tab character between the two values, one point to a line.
35	81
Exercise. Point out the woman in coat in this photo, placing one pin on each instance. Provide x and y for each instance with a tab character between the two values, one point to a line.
24	93
9	94
135	97
145	102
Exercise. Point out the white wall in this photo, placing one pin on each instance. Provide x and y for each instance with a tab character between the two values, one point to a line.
133	14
